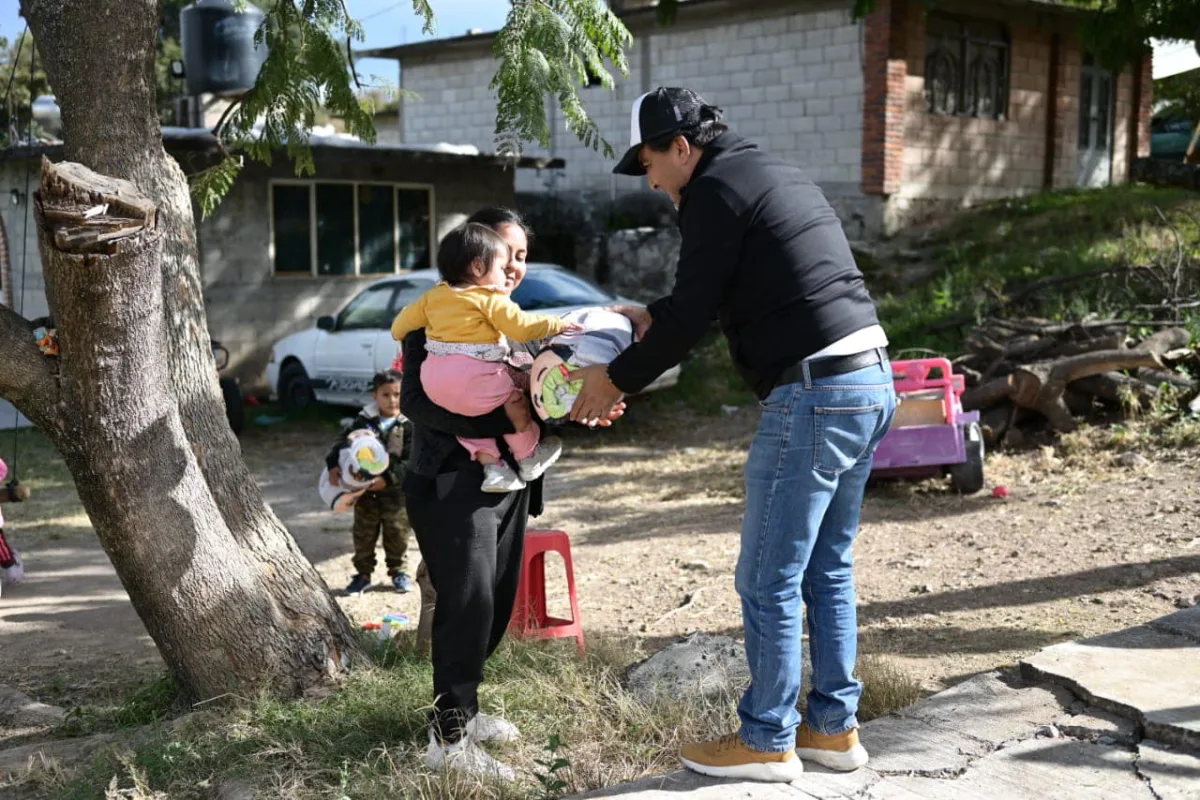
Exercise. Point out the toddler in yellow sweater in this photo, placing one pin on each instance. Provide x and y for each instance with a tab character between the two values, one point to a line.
468	320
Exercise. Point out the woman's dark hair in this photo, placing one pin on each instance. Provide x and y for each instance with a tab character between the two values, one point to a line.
497	216
384	377
463	246
701	126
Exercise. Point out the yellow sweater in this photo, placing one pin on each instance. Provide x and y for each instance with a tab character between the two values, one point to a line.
475	315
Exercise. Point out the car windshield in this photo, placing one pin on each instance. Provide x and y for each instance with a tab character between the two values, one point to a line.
551	288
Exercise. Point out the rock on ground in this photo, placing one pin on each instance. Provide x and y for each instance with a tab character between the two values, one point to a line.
19	711
701	665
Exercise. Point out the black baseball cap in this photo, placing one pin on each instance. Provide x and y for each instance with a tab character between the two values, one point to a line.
666	111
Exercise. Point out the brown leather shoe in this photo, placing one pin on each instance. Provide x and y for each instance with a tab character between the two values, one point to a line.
730	757
841	751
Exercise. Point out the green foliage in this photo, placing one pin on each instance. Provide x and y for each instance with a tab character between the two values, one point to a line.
1181	93
986	258
19	57
308	49
548	776
550	47
211	184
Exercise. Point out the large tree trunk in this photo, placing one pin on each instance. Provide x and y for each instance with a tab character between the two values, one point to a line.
223	589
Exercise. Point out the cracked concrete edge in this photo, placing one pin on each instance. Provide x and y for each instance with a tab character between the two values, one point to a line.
1144	728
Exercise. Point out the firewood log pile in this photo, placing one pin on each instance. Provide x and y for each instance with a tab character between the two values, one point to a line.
1027	373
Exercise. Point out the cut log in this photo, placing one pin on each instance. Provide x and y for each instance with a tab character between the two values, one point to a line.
1165	341
1040	387
1078	403
995	421
987	394
1157	377
1116	388
1110	341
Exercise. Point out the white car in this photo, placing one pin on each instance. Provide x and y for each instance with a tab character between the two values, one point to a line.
335	361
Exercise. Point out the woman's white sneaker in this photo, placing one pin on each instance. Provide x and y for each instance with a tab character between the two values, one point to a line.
488	728
466	757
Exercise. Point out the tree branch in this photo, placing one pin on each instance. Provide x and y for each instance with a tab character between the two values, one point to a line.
27	378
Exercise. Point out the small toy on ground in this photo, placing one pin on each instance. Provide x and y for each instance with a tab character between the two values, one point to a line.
387	626
362	460
604	336
931	433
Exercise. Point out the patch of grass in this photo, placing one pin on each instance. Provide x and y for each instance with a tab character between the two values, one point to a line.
887	687
581	730
30	457
367	740
152	701
987	255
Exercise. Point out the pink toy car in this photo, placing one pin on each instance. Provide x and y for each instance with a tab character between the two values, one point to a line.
931	433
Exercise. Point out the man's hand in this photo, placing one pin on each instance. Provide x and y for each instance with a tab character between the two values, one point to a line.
638	315
598	397
377	485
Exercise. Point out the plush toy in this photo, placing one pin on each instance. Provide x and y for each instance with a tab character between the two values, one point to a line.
362	460
11	570
605	335
46	336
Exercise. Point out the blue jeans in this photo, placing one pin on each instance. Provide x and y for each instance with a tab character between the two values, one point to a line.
808	466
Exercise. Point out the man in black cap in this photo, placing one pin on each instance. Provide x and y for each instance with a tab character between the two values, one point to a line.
765	254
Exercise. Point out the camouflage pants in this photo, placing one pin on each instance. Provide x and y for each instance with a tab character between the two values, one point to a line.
375	514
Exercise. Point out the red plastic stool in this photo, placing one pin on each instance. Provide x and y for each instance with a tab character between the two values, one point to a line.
529	618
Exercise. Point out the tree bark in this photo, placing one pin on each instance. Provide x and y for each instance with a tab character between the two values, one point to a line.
1040	387
228	597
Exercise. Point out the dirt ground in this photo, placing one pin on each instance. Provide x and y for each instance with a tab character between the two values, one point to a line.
948	585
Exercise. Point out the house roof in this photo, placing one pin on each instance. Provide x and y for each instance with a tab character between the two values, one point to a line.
1174	57
203	140
451	44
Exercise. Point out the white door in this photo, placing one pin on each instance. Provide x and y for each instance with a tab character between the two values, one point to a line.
345	356
1094	155
386	347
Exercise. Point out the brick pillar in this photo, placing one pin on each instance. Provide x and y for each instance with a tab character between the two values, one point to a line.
1144	92
885	69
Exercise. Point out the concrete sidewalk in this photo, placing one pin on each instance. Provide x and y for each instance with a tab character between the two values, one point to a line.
1117	716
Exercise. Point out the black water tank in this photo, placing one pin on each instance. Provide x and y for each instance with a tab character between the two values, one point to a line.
219	56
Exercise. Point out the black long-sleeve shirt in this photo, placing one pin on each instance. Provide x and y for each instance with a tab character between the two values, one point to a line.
765	254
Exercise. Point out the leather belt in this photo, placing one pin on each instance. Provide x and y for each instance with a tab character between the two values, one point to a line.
828	367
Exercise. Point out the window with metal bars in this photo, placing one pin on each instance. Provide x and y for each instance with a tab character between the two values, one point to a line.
966	67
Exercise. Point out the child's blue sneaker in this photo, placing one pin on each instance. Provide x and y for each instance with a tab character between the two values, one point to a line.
402	582
359	585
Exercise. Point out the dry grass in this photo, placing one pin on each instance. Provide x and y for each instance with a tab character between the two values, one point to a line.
366	741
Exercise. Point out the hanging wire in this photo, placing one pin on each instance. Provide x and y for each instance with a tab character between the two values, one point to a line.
24	253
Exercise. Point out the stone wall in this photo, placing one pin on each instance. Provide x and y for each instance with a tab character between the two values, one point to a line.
641	262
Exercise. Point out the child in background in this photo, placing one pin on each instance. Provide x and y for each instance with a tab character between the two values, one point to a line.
380	510
11	570
466	319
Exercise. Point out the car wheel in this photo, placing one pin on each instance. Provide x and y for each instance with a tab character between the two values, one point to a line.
967	477
235	404
295	390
